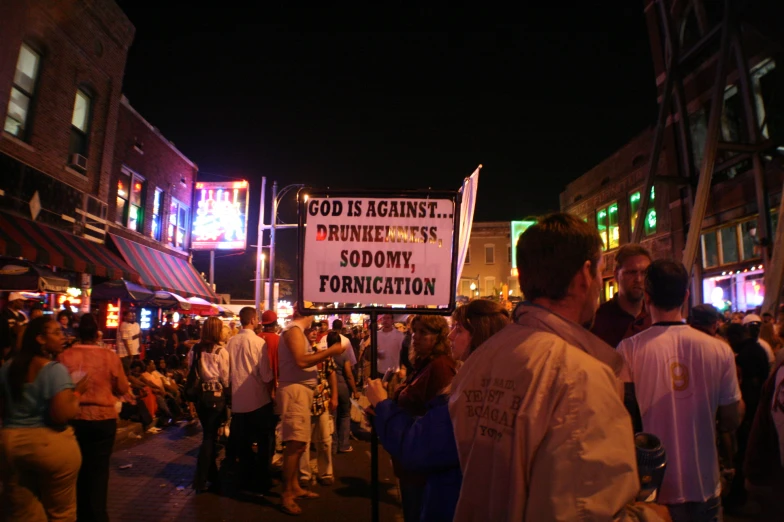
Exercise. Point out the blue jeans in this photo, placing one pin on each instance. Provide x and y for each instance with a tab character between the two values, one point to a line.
344	417
708	511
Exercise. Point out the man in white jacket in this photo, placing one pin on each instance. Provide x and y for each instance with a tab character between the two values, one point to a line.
541	430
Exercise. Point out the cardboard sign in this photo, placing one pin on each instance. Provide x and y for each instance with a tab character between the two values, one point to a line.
378	251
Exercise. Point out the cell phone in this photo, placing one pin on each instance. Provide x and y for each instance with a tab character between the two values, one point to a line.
388	375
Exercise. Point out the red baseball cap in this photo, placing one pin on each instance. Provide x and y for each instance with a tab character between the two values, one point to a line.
269	317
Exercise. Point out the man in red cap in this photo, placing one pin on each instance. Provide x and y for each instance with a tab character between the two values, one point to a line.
269	321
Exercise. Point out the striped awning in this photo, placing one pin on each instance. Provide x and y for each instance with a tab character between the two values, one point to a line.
44	245
162	271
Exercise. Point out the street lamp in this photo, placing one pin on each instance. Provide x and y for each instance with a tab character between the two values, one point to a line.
276	198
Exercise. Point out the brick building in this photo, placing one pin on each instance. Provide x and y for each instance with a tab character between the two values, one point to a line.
61	71
488	264
87	186
729	269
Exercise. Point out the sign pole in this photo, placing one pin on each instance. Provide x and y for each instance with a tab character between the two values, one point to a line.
373	435
259	251
212	269
273	304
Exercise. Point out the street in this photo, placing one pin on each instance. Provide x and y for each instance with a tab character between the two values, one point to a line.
156	486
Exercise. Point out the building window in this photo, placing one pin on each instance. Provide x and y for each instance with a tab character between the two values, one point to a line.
489	254
490	286
710	250
22	92
513	285
729	245
80	123
178	224
508	253
157	203
766	81
607	224
748	240
634	210
468	255
130	200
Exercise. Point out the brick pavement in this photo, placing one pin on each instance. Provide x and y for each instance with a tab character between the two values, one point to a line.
156	488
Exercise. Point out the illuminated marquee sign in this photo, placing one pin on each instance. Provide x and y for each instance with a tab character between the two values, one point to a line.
145	319
518	227
112	316
221	220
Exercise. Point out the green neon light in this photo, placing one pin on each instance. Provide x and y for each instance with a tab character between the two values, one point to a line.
518	227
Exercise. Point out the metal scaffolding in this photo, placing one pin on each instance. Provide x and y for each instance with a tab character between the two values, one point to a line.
673	107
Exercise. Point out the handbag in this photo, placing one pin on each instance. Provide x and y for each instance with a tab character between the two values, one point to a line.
193	382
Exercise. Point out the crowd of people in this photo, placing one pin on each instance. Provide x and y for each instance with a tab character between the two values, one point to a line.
489	415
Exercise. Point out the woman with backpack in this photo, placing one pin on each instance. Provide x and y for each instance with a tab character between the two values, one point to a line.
207	386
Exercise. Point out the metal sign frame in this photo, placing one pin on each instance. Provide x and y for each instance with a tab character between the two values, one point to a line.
373	311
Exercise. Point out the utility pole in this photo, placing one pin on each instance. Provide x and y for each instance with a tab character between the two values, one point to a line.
272	304
259	250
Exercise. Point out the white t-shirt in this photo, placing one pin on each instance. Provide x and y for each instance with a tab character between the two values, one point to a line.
389	346
681	376
127	333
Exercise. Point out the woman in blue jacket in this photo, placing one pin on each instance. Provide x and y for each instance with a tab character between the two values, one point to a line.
427	444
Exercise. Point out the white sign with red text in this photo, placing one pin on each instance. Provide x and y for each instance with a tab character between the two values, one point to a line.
378	251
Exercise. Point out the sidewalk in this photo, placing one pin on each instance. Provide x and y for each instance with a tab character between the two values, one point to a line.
156	488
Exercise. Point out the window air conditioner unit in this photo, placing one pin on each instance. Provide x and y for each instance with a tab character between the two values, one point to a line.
78	161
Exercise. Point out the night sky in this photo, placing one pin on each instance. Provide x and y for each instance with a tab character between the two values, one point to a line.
396	98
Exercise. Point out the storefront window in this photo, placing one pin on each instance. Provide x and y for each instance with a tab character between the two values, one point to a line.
123	193
729	245
601	225
710	250
607	224
610	289
650	218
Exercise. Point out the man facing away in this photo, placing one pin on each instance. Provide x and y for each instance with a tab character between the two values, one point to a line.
541	431
344	364
298	379
252	412
682	378
624	315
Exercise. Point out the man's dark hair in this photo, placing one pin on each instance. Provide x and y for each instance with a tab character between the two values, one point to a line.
550	253
247	314
337	324
667	283
627	251
333	338
62	314
88	328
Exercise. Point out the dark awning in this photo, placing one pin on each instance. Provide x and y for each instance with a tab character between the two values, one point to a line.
44	245
123	290
163	271
166	299
22	275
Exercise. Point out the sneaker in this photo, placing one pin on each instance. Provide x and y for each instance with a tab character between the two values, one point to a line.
326	481
347	450
154	430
